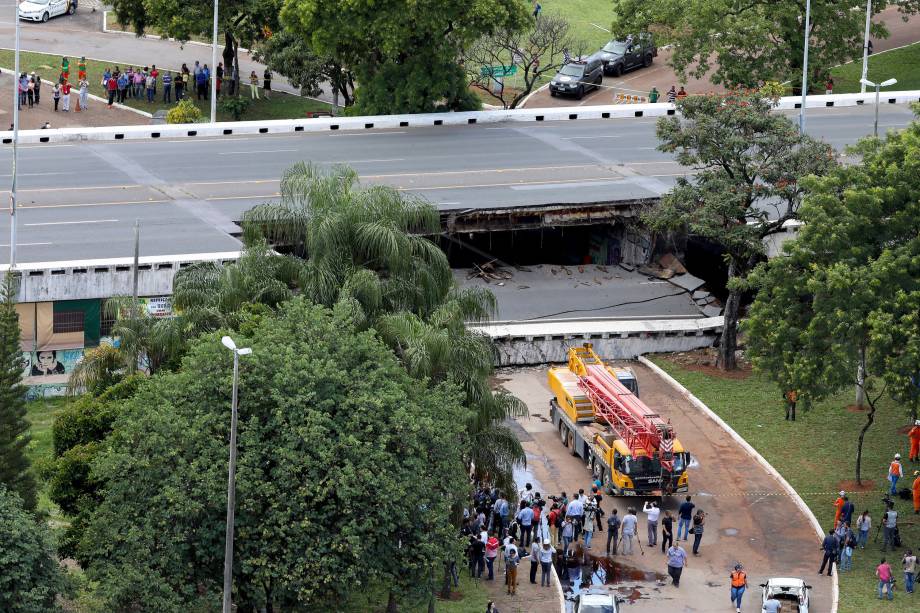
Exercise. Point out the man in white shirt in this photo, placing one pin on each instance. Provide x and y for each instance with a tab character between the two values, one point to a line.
576	510
527	493
651	509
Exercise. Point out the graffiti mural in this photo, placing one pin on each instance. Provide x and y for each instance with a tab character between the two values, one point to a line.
52	362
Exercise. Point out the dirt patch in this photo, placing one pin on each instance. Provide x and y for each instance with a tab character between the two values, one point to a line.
852	408
705	361
849	485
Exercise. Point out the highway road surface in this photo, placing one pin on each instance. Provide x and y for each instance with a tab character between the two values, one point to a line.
80	200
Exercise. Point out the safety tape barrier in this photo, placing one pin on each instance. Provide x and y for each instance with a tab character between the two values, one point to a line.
326	124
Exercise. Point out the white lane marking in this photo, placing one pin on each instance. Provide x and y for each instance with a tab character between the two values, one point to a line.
257	151
70	223
366	161
387	132
30	245
565	184
590	137
442	203
653	283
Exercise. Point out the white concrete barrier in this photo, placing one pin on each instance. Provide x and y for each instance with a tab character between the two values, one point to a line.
325	124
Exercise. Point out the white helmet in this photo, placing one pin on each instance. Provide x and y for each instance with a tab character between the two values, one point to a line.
897	456
917	422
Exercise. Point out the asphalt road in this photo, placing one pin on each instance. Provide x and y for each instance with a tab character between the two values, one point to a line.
79	201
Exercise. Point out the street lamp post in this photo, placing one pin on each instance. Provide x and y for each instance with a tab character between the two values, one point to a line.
214	67
805	68
865	71
15	141
877	86
231	481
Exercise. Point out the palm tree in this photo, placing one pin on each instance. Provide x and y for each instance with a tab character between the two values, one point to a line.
364	253
99	368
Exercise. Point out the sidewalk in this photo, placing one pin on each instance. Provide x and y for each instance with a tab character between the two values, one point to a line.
529	597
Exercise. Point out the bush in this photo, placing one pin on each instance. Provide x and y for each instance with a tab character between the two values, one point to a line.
184	112
234	105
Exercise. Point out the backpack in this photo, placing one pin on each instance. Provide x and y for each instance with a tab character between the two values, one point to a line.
513	529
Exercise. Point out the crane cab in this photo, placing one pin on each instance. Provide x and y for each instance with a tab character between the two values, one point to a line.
636	473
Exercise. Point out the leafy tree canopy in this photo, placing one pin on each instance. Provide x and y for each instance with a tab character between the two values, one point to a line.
751	41
348	470
30	576
405	54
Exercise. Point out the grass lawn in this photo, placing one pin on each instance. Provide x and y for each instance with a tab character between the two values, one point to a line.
281	106
816	454
581	15
902	64
40	415
470	597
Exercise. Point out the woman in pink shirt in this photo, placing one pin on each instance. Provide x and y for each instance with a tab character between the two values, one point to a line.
492	545
883	572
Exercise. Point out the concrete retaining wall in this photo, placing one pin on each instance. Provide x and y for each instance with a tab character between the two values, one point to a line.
614	111
526	343
86	279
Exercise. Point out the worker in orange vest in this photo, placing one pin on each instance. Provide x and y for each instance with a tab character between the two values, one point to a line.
895	472
739	584
916	489
914	436
839	504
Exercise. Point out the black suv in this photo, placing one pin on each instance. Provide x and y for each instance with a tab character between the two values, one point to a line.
577	77
620	56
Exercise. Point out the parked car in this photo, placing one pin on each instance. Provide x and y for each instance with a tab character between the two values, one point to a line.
792	593
43	10
596	601
619	56
577	77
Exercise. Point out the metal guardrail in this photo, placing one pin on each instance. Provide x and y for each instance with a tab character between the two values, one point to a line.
286	126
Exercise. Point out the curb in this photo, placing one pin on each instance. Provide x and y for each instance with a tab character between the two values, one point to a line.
683	391
557	587
106	30
93	97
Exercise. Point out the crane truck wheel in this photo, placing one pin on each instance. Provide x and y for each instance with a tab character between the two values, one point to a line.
564	435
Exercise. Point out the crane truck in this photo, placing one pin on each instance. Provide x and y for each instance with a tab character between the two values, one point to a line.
626	445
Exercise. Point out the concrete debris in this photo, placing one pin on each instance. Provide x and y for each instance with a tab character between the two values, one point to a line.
490	271
712	311
670	262
688	282
653	270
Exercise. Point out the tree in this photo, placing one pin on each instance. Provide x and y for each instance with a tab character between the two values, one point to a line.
840	306
753	41
536	50
100	368
748	162
15	472
405	55
348	470
292	56
146	342
30	577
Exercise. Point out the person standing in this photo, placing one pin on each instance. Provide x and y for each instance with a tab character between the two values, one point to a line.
684	518
915	488
838	505
846	550
791	397
156	76
863	524
889	526
830	545
167	86
677	560
883	572
201	84
914	437
772	605
30	92
667	531
477	557
653	512
546	563
847	510
613	531
254	85
511	565
739	584
568	535
38	87
267	82
56	95
65	97
630	523
653	95
895	472
829	86
588	525
491	553
525	519
576	511
699	521
681	93
84	94
909	562
534	560
551	518
598	499
526	494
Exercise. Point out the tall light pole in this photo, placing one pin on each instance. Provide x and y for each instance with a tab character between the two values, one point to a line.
877	86
214	67
865	72
805	67
15	142
231	481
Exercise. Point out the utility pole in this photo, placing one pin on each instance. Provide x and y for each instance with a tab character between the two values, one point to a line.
805	68
15	141
214	67
137	254
865	71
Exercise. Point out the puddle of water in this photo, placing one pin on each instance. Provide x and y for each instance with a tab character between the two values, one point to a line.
585	570
730	531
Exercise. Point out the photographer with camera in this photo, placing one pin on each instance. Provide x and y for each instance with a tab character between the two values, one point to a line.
889	525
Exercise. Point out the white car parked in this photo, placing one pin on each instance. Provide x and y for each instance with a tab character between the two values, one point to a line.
43	10
792	593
